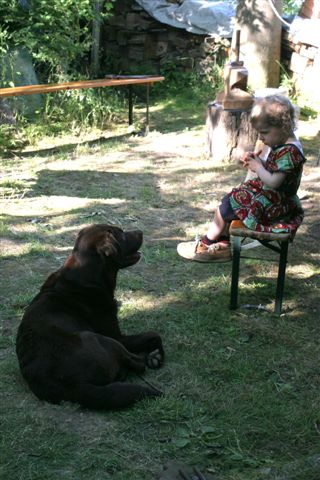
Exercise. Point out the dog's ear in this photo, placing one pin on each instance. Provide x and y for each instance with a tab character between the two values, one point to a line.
109	246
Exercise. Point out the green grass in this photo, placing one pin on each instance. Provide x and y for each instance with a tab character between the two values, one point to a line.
241	389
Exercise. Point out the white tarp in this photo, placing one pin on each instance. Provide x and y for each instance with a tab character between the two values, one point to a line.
211	17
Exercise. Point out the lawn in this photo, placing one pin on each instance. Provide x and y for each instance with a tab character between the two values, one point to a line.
241	388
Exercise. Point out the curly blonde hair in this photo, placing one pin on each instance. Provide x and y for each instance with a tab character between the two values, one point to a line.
274	111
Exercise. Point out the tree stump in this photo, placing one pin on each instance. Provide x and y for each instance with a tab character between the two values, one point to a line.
229	133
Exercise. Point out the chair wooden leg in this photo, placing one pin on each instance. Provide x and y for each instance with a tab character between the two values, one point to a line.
281	276
235	272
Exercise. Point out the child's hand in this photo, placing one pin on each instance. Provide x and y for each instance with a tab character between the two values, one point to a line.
245	158
252	160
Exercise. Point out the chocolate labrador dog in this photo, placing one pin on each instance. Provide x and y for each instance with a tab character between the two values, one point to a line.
69	343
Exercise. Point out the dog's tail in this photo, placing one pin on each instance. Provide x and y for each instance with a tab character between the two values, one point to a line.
112	396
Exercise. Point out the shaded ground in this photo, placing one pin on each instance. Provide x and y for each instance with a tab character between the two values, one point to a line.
165	185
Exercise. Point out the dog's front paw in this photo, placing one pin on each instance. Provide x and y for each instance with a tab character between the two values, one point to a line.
154	359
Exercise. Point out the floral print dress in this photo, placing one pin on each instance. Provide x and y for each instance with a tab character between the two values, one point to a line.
264	209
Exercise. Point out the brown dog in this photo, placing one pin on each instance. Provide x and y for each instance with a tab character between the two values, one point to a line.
69	343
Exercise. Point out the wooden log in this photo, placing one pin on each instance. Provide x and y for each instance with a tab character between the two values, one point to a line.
229	133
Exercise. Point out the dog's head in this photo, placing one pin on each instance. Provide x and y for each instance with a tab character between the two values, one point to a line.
112	243
99	252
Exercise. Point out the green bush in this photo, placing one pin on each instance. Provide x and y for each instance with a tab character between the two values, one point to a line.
57	33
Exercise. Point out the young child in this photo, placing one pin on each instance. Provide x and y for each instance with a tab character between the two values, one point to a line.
269	197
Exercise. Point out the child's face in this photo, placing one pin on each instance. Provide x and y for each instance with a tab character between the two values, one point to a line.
271	136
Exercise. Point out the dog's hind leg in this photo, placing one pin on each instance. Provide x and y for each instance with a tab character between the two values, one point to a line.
144	342
133	362
117	352
113	396
148	345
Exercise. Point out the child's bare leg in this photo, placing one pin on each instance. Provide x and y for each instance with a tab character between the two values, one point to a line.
217	227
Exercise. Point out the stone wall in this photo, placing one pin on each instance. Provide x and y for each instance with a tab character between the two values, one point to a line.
134	42
302	62
301	53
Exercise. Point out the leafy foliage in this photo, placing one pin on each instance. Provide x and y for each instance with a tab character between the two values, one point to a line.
56	33
291	6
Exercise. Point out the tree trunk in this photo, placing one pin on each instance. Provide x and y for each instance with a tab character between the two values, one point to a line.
229	134
260	41
96	30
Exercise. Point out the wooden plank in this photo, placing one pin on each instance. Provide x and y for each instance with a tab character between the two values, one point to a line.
110	81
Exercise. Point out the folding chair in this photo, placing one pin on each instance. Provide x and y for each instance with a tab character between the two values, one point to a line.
278	242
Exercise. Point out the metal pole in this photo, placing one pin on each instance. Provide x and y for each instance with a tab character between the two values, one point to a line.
130	105
281	276
235	272
147	109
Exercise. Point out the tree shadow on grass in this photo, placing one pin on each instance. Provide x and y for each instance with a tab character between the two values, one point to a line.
70	148
89	184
